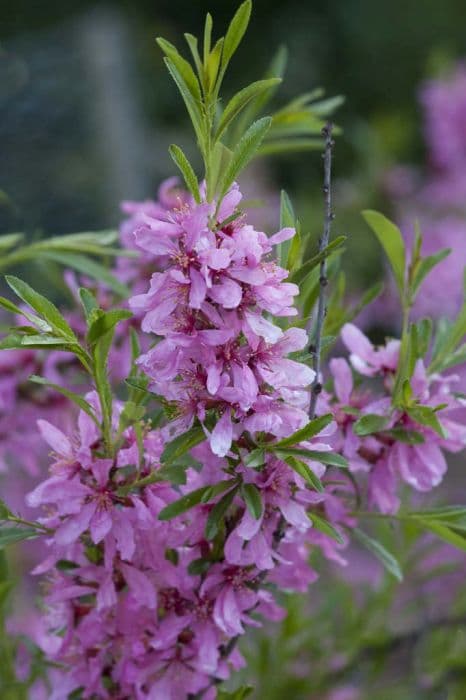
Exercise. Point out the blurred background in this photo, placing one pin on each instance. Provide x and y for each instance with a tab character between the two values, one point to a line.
87	112
87	109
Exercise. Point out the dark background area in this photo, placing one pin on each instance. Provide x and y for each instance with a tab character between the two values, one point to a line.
87	110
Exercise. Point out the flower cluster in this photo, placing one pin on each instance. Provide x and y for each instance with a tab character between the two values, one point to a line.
218	351
152	596
397	444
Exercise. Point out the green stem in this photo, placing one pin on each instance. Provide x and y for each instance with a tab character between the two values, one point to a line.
28	523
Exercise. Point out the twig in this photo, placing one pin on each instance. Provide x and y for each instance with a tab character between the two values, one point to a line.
316	348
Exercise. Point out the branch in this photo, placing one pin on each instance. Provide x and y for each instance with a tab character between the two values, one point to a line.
316	348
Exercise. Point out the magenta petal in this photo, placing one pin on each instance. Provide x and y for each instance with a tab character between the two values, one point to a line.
222	435
140	586
198	289
75	525
101	524
55	438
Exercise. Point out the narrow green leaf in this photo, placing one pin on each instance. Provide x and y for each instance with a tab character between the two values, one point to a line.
425	415
186	170
382	554
8	240
105	322
39	323
244	152
305	472
207	37
216	489
256	458
218	512
238	694
331	459
192	105
192	43
182	444
313	262
183	504
252	498
444	532
276	69
391	240
89	268
88	301
287	215
424	267
11	535
239	101
42	306
421	333
370	423
409	437
314	427
183	68
71	395
235	32
325	527
275	146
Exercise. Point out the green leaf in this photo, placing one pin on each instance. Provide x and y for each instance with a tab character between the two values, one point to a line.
287	215
216	489
88	301
42	306
255	458
212	67
192	104
11	535
183	68
85	241
131	413
314	427
183	504
421	333
89	268
313	262
235	32
331	459
207	37
253	500
239	694
370	423
305	472
105	322
391	240
5	512
186	170
182	444
71	395
274	146
39	323
239	101
382	554
8	240
192	43
193	498
448	513
409	437
424	267
244	152
276	69
325	527
444	532
218	512
425	415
